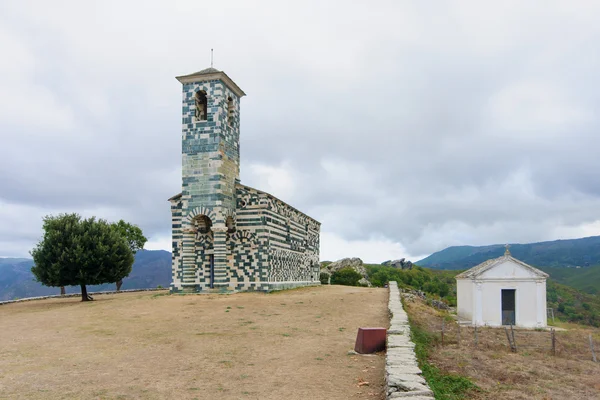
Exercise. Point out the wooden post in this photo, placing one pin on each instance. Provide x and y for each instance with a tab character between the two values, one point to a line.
513	347
508	338
458	341
476	338
513	338
553	335
592	348
443	324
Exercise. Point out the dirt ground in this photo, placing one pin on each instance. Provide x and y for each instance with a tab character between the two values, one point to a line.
286	345
530	373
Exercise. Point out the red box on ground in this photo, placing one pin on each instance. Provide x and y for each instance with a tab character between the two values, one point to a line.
370	340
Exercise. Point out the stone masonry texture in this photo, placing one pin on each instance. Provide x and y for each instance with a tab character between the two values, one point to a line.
403	375
228	236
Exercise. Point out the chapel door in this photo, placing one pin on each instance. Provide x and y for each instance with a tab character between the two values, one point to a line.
212	270
508	306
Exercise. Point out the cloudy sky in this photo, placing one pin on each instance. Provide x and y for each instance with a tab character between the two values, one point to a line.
403	126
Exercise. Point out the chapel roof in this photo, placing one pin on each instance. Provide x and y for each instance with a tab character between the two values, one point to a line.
489	264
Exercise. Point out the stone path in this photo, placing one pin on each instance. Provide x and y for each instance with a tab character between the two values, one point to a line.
403	375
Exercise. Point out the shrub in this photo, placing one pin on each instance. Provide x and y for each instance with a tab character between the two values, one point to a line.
324	278
345	276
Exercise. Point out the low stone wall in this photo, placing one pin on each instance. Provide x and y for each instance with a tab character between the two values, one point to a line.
403	375
54	296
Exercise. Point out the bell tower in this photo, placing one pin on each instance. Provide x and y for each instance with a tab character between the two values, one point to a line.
211	169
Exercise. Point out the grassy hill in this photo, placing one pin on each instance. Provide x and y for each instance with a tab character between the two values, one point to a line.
583	252
559	258
150	269
584	279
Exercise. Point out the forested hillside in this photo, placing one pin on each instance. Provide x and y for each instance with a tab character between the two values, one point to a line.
583	252
150	269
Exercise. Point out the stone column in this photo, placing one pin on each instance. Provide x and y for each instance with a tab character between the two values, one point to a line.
188	256
220	255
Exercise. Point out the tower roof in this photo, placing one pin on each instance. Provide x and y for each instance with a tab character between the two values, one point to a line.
209	74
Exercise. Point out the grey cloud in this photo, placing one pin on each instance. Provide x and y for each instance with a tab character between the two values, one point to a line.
460	125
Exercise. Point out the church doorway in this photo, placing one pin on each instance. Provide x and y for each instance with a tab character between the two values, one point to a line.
212	270
508	306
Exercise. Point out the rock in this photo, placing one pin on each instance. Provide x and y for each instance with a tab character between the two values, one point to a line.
364	282
354	263
439	305
401	264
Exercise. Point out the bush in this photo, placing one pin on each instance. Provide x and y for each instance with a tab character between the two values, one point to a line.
345	276
324	278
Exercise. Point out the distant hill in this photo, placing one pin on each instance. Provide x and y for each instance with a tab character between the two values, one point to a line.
150	269
556	254
559	258
585	279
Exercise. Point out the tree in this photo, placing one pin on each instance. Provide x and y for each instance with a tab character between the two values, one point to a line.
76	251
346	276
134	237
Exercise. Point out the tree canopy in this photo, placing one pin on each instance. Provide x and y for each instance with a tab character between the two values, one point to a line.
134	237
76	251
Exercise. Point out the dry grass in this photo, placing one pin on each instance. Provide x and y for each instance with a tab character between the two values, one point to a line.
290	345
531	373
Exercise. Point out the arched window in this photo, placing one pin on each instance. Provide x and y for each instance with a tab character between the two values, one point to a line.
201	106
229	223
203	224
230	111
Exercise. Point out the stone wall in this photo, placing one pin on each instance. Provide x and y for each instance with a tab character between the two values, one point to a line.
403	376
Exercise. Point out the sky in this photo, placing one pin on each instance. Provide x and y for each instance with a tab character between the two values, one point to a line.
403	126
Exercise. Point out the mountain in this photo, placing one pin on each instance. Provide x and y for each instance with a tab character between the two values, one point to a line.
585	279
574	262
583	252
150	269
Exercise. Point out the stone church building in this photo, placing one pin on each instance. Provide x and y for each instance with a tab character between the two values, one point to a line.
228	236
502	291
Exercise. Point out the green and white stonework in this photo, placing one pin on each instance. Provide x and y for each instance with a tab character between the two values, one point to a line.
228	236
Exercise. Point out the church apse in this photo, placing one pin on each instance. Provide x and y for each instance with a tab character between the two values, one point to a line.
228	236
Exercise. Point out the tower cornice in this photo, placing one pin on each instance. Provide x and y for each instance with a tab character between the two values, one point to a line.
209	75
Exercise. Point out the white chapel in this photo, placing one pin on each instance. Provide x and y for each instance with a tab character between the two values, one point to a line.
502	291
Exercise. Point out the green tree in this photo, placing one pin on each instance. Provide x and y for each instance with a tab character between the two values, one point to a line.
345	276
76	251
134	237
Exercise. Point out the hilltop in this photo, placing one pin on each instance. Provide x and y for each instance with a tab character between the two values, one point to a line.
292	344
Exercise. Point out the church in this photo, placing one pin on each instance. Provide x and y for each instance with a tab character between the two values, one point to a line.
502	291
227	236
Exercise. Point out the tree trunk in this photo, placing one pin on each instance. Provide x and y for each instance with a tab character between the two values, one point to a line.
62	291
119	283
84	294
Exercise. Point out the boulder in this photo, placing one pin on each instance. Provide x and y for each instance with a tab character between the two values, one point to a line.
400	264
354	263
364	282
